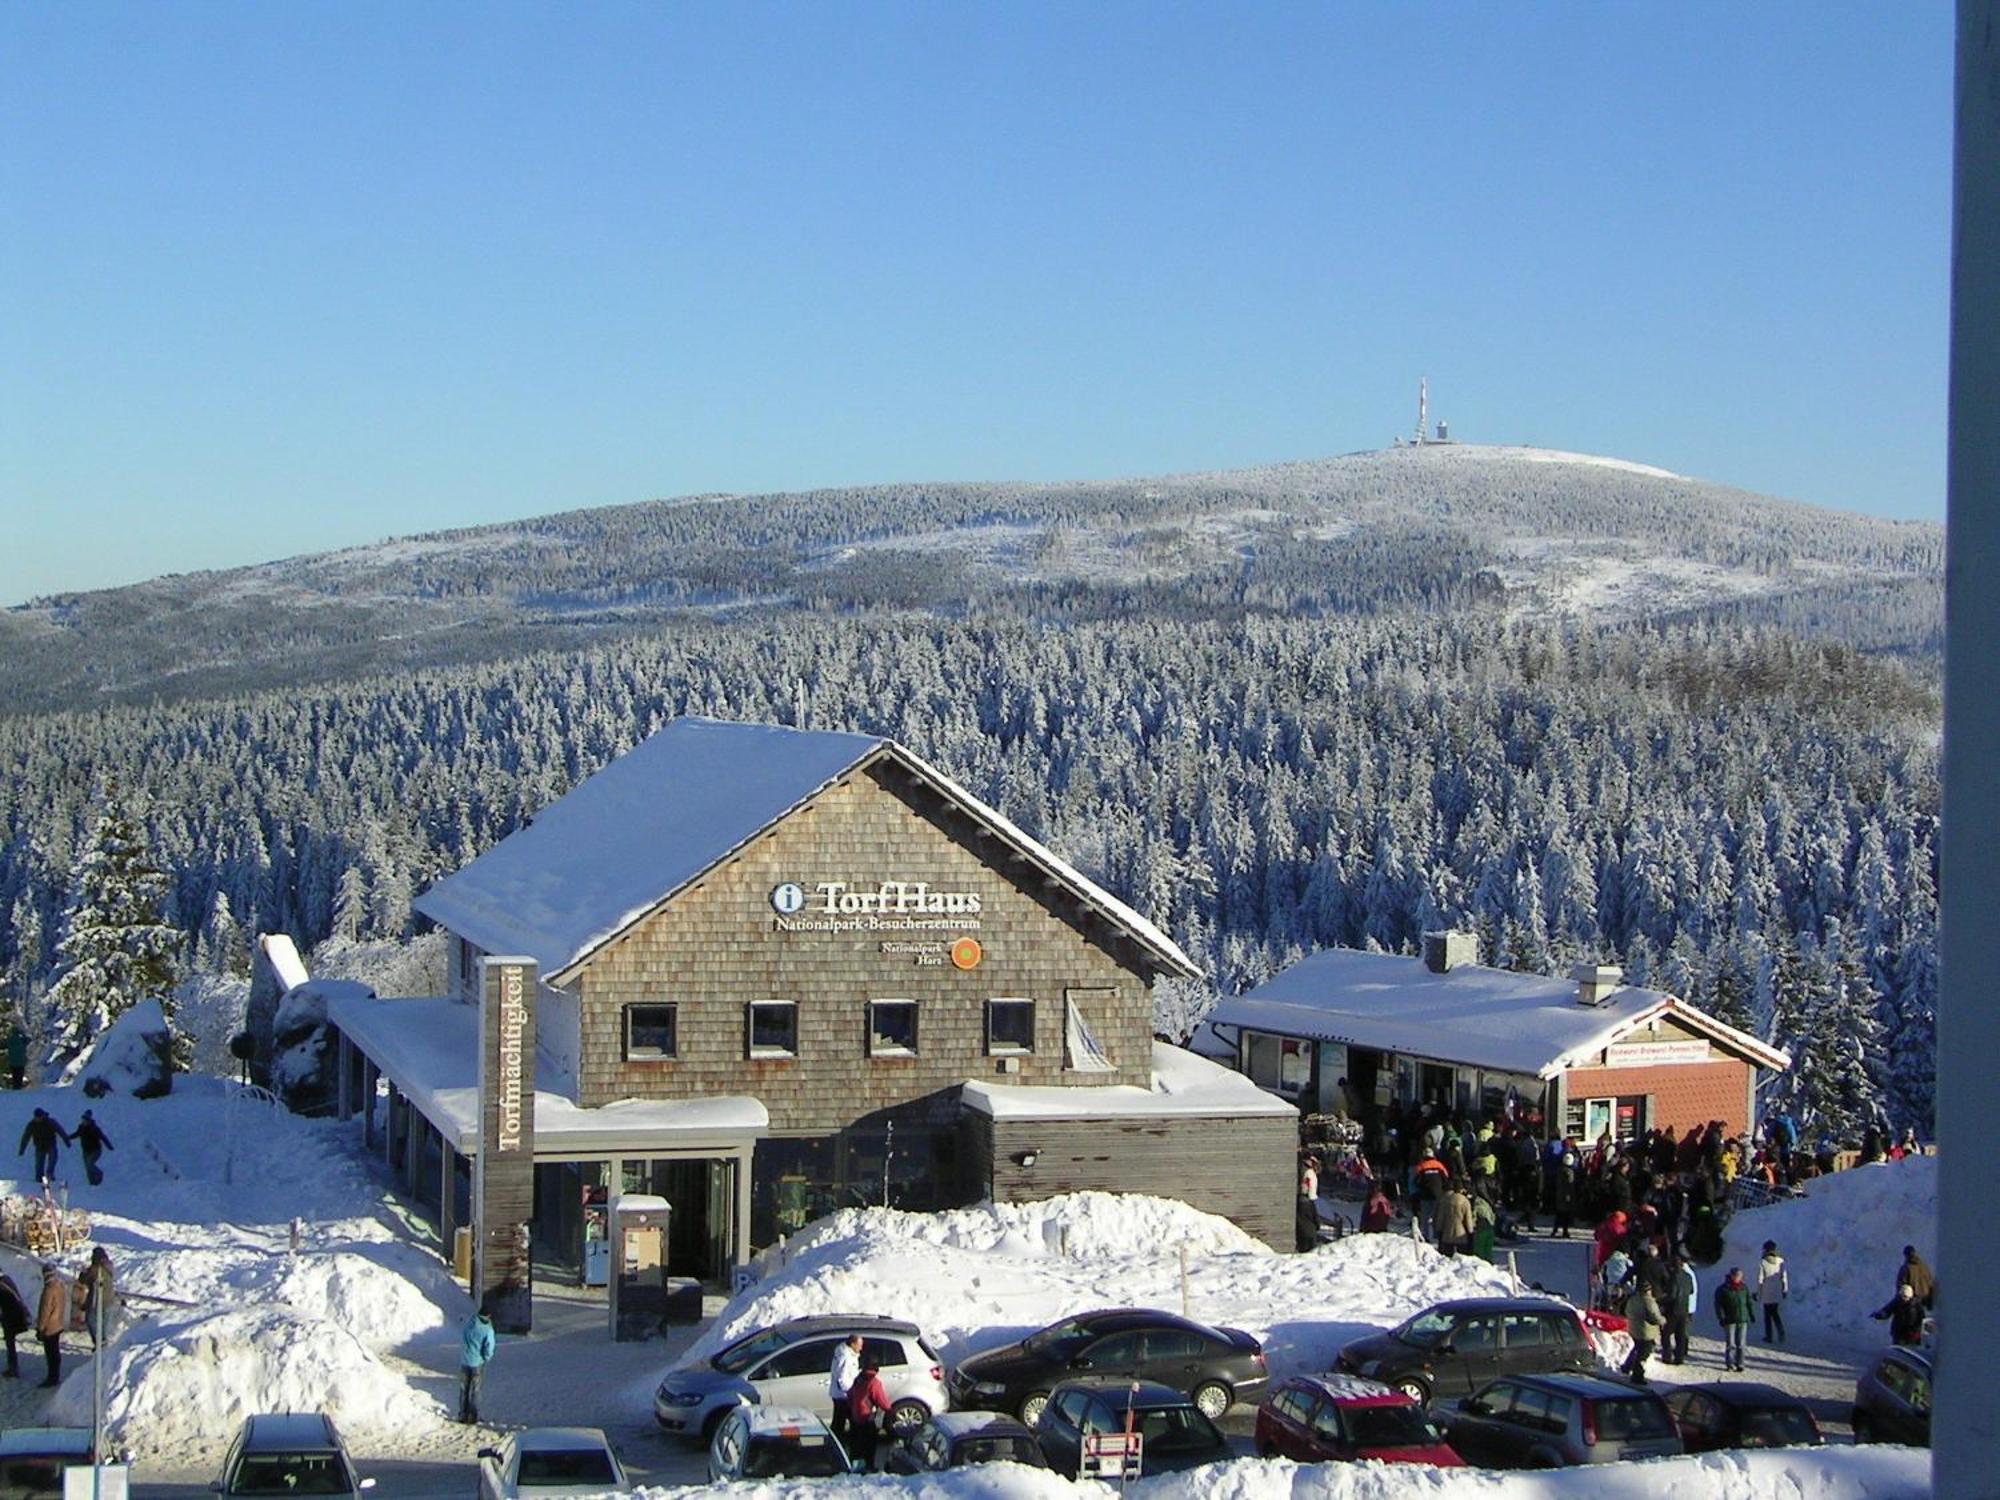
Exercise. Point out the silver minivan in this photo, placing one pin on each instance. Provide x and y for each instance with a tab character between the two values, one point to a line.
1551	1421
788	1364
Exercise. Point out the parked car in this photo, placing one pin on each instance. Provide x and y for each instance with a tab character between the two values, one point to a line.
1314	1418
959	1439
1550	1421
1214	1366
774	1442
787	1365
1892	1400
549	1463
1176	1433
1454	1348
32	1460
289	1453
1741	1414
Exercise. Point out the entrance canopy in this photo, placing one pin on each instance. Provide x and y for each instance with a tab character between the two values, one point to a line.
429	1049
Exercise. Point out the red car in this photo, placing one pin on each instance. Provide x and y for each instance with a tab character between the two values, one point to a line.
1315	1418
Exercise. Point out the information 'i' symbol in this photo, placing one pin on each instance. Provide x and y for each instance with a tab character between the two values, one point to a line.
787	898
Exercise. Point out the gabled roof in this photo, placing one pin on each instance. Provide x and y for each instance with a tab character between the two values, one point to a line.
1471	1014
623	842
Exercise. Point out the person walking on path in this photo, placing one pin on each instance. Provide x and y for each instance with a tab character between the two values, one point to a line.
1734	1302
14	1322
100	1297
1905	1315
51	1318
17	1056
867	1411
1683	1292
44	1132
92	1142
1917	1276
1377	1212
475	1352
1429	1178
1646	1323
840	1380
1774	1284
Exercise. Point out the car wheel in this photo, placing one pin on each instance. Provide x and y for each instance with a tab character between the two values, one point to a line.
1864	1430
1031	1407
1211	1399
712	1421
1415	1389
907	1415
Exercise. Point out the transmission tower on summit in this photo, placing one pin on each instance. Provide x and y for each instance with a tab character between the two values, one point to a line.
1422	437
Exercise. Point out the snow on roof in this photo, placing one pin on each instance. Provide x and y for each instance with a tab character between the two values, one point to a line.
1183	1085
619	842
624	840
1490	1018
429	1048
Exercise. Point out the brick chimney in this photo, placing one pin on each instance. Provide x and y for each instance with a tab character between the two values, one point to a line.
1445	951
1595	982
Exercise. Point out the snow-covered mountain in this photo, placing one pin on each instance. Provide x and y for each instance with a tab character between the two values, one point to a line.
1435	527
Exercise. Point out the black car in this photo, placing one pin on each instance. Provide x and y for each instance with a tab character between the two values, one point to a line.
1552	1421
960	1439
1212	1366
1741	1414
1174	1434
1454	1348
1892	1400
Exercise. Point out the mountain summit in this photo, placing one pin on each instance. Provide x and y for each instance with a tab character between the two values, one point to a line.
1437	527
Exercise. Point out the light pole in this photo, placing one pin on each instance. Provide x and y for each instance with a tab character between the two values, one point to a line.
99	1297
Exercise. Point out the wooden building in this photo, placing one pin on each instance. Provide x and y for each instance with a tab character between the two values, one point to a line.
826	927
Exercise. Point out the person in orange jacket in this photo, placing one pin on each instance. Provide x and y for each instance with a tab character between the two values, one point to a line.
1429	1178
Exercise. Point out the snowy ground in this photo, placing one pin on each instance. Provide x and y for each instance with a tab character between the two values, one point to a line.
224	1320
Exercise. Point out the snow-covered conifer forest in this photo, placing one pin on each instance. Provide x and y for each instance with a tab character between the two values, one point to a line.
1739	814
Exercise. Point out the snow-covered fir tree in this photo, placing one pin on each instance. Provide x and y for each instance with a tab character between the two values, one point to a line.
115	950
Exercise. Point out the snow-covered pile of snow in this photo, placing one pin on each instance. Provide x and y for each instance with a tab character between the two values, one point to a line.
1876	1473
1842	1243
979	1277
220	1319
211	1372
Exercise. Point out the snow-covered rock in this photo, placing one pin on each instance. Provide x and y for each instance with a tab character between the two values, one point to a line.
302	1054
134	1056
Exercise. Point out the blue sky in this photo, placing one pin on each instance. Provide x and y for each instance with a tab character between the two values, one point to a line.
278	278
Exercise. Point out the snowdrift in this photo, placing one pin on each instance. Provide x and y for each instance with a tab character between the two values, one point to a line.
1842	1243
977	1277
185	1389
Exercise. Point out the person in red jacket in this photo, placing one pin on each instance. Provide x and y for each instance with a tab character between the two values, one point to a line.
867	1412
1610	1235
1376	1212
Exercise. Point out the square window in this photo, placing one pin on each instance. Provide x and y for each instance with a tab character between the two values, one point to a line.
774	1029
652	1031
892	1028
1010	1026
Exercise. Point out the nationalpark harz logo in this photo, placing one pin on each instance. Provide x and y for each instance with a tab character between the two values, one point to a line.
890	905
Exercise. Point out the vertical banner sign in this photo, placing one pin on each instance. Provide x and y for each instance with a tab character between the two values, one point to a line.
503	1195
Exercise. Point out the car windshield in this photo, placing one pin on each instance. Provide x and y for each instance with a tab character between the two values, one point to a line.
1389	1427
792	1458
291	1474
1425	1329
1058	1340
1778	1427
1177	1429
1643	1418
577	1466
744	1353
997	1450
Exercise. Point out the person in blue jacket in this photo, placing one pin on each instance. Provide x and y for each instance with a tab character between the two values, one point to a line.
475	1351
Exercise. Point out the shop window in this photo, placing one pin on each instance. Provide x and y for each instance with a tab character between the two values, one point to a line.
1281	1064
774	1028
892	1028
652	1032
1010	1026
